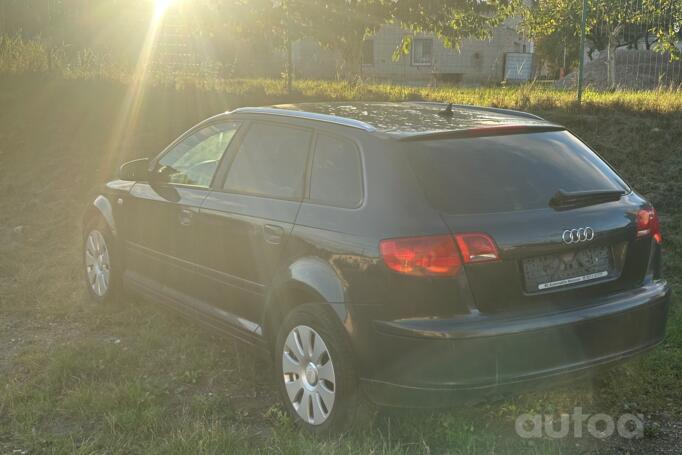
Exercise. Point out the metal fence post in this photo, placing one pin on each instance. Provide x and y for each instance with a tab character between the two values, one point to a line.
290	66
289	44
583	26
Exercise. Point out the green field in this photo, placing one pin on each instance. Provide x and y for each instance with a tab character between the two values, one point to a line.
133	378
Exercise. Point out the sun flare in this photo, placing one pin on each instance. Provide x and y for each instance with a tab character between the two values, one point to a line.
160	6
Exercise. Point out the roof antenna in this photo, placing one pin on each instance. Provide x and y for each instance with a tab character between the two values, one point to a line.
447	112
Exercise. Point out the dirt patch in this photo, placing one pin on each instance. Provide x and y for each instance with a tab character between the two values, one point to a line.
662	435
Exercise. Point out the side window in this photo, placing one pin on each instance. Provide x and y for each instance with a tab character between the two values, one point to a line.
337	173
271	161
194	160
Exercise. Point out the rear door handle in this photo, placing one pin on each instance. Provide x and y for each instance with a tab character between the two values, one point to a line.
273	234
186	217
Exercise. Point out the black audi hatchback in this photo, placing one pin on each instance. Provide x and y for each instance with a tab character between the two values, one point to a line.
412	253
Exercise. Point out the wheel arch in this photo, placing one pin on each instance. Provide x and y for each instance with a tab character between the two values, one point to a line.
308	280
101	207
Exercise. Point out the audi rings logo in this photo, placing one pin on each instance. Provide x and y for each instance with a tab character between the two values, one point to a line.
579	235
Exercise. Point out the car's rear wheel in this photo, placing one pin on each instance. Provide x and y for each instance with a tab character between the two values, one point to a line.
101	271
318	383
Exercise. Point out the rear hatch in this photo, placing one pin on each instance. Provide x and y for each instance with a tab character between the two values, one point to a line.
564	222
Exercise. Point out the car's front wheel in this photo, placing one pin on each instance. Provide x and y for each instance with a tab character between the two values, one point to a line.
101	271
318	382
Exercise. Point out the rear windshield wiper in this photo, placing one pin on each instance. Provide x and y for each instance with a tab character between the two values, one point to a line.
570	199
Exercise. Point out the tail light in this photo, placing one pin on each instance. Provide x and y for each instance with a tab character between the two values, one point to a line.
422	256
648	224
477	247
437	255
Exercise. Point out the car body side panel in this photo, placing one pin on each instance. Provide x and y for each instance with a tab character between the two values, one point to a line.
314	275
159	233
241	240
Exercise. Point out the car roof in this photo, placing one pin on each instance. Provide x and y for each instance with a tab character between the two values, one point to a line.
404	120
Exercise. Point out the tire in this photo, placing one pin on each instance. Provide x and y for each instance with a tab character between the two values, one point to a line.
319	391
100	262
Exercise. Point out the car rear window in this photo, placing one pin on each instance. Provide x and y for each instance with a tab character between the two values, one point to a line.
507	173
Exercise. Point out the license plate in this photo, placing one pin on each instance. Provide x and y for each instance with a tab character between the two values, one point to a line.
556	270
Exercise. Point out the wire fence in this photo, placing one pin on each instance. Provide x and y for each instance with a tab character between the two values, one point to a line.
633	44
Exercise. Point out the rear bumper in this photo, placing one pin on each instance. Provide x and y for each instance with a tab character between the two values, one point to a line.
435	362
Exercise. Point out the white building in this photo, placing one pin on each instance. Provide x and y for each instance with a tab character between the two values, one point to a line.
507	55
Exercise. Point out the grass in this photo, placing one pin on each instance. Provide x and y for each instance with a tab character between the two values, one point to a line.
132	378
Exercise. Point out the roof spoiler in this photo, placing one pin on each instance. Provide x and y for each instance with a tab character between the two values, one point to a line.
484	131
498	110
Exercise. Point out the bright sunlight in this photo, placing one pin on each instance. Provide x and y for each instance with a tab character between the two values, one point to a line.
161	6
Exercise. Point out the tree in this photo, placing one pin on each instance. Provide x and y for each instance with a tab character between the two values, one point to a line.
453	20
274	23
559	50
342	25
610	24
339	25
555	27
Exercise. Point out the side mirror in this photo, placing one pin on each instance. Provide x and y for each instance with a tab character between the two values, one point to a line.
136	170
